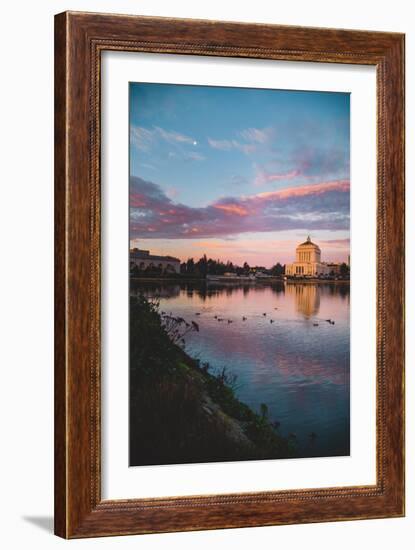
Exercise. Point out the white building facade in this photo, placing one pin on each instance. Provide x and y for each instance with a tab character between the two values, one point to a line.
143	260
307	261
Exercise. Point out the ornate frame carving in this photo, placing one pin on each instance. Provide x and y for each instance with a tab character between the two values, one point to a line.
79	40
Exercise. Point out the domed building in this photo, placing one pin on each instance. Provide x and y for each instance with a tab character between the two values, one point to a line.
307	261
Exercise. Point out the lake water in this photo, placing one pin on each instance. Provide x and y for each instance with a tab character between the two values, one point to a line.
297	365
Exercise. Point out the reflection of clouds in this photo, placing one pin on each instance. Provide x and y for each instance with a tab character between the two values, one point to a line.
289	352
281	353
273	358
300	371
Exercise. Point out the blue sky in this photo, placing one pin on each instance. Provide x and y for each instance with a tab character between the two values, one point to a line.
228	168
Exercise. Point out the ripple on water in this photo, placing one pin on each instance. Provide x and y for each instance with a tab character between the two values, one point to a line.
300	371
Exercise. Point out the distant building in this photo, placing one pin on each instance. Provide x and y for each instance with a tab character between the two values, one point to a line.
307	261
334	268
143	260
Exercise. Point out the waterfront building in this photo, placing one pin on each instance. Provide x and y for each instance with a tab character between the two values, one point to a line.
307	261
334	269
143	260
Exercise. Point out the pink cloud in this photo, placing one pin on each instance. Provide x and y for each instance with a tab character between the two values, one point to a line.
137	200
172	192
239	210
314	189
264	177
322	206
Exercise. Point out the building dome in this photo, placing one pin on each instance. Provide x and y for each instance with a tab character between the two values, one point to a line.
307	261
308	245
308	252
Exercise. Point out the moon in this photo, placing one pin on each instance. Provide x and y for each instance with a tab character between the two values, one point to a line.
195	143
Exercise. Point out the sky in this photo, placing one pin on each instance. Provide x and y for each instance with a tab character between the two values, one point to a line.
239	174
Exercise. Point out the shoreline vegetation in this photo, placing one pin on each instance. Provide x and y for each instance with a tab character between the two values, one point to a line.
180	410
294	280
211	271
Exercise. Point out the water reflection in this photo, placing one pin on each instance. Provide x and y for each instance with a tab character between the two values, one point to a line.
171	289
307	297
279	345
155	289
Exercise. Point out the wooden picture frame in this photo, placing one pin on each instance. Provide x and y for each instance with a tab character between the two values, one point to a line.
79	40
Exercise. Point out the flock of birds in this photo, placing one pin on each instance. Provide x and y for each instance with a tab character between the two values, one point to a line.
312	436
220	319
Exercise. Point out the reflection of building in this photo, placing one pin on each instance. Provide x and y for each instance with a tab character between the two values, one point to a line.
307	261
154	290
143	260
307	298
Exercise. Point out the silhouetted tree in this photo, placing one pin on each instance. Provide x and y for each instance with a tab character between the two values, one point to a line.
344	269
202	266
277	270
190	266
229	267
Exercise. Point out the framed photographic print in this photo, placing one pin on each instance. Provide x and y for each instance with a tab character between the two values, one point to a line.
229	288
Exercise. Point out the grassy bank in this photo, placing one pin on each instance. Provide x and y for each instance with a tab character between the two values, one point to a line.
180	412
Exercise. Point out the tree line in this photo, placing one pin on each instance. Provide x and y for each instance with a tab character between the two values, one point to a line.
207	266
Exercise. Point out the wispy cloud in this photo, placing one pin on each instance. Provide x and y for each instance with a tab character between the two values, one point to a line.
145	138
336	243
193	155
172	192
266	177
173	137
237	180
305	163
313	161
307	190
167	143
229	144
257	135
322	206
237	209
141	138
247	141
